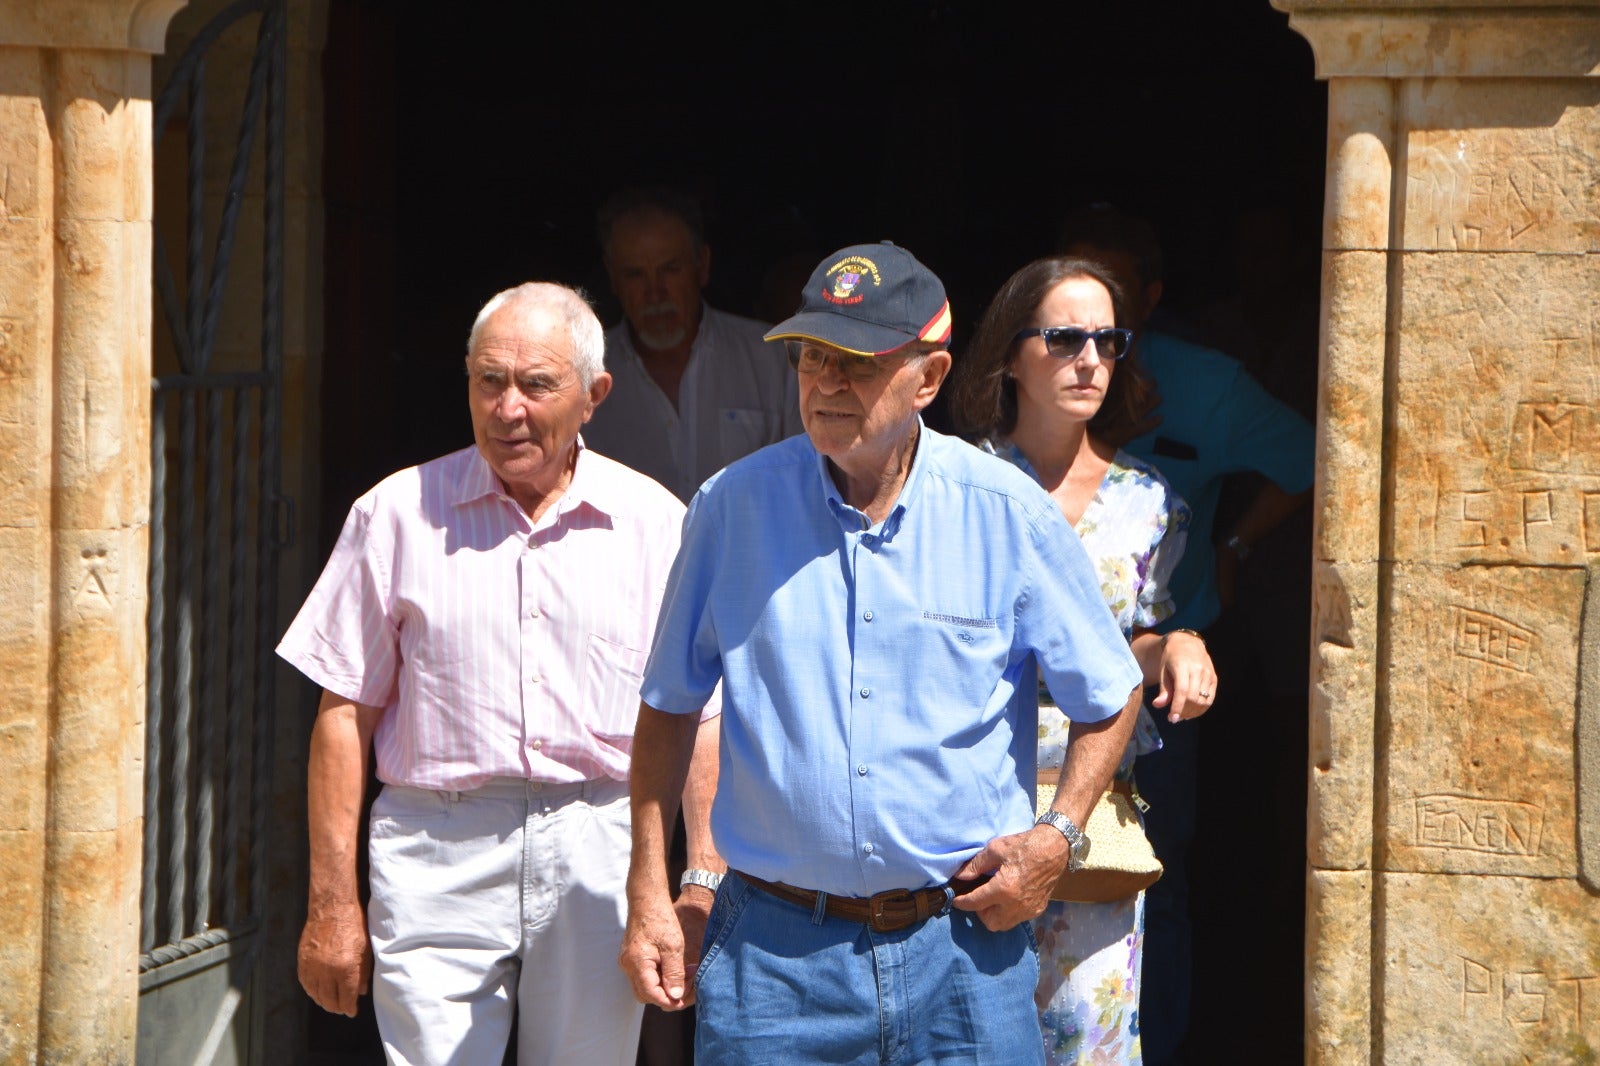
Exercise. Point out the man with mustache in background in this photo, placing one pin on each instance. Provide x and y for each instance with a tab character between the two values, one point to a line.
695	388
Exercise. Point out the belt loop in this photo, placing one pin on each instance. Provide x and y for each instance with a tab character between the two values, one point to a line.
820	911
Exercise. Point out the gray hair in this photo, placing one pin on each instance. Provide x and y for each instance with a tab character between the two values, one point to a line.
583	327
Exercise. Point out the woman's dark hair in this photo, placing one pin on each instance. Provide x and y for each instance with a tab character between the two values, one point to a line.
984	398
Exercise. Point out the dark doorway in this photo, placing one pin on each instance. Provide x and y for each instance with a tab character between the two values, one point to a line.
469	145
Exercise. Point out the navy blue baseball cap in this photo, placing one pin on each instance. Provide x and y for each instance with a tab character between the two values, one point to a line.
869	299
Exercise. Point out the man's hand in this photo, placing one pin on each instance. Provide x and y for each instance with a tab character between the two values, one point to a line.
693	908
336	958
652	954
1026	867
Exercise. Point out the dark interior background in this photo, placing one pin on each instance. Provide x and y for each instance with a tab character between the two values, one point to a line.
468	146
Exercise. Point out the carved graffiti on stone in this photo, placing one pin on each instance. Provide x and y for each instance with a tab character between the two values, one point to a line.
1546	522
1488	638
1522	997
1475	205
14	403
1496	188
1557	438
1518	997
1477	508
1525	995
1486	826
1591	521
10	350
1478	999
94	592
1578	993
1538	509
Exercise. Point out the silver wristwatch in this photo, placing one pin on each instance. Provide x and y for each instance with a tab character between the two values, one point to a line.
704	878
1077	840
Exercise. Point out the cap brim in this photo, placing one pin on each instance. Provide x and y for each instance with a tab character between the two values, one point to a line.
846	334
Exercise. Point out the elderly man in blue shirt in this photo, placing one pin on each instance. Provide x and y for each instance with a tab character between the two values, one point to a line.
877	600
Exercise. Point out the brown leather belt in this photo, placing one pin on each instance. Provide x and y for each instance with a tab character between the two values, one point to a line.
887	912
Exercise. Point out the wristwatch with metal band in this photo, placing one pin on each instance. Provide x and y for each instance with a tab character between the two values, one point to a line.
704	878
1077	840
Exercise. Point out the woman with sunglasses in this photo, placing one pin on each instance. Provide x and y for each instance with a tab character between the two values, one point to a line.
1048	382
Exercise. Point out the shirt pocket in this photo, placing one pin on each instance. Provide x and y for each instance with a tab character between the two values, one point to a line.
741	430
613	673
964	653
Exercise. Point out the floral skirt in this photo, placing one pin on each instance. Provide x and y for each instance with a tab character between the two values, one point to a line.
1090	960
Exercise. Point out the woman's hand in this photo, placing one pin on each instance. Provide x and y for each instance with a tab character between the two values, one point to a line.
1188	679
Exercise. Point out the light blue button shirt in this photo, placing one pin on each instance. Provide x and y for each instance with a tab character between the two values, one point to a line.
879	713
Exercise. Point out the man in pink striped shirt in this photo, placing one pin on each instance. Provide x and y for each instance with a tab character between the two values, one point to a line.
482	626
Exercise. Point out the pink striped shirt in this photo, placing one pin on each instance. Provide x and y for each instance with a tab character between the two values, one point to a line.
495	647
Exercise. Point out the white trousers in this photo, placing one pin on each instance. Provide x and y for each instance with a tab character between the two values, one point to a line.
507	898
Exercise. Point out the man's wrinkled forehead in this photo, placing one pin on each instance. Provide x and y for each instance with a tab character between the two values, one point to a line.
523	335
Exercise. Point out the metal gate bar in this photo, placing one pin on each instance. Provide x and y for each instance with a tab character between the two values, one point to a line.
217	526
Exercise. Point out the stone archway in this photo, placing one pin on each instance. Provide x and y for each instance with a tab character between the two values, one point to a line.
74	445
1458	536
1458	528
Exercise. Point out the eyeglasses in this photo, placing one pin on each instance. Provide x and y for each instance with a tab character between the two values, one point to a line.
810	358
1066	342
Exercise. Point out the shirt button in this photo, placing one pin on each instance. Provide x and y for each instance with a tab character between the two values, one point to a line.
867	616
538	745
533	612
867	848
535	679
862	769
865	692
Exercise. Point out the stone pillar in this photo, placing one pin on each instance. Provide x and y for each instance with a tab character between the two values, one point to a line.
1458	505
75	303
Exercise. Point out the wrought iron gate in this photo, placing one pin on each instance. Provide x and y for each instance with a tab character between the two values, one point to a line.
217	525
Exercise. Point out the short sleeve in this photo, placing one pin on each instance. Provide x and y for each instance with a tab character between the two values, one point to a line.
1269	437
1062	618
1155	603
343	638
685	661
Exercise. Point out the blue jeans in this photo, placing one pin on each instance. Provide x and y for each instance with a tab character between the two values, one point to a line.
779	984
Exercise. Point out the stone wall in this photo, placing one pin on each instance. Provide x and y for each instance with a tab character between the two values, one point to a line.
1455	769
75	207
1458	509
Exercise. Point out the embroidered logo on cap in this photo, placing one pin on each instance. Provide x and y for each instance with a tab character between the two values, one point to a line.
844	278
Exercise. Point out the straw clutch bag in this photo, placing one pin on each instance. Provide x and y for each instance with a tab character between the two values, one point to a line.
1120	860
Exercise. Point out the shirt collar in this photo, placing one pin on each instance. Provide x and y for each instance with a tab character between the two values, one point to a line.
477	481
850	518
590	486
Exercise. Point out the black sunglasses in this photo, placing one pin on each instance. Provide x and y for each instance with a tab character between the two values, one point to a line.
1066	342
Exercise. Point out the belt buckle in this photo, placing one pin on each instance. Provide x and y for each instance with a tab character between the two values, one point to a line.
880	922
